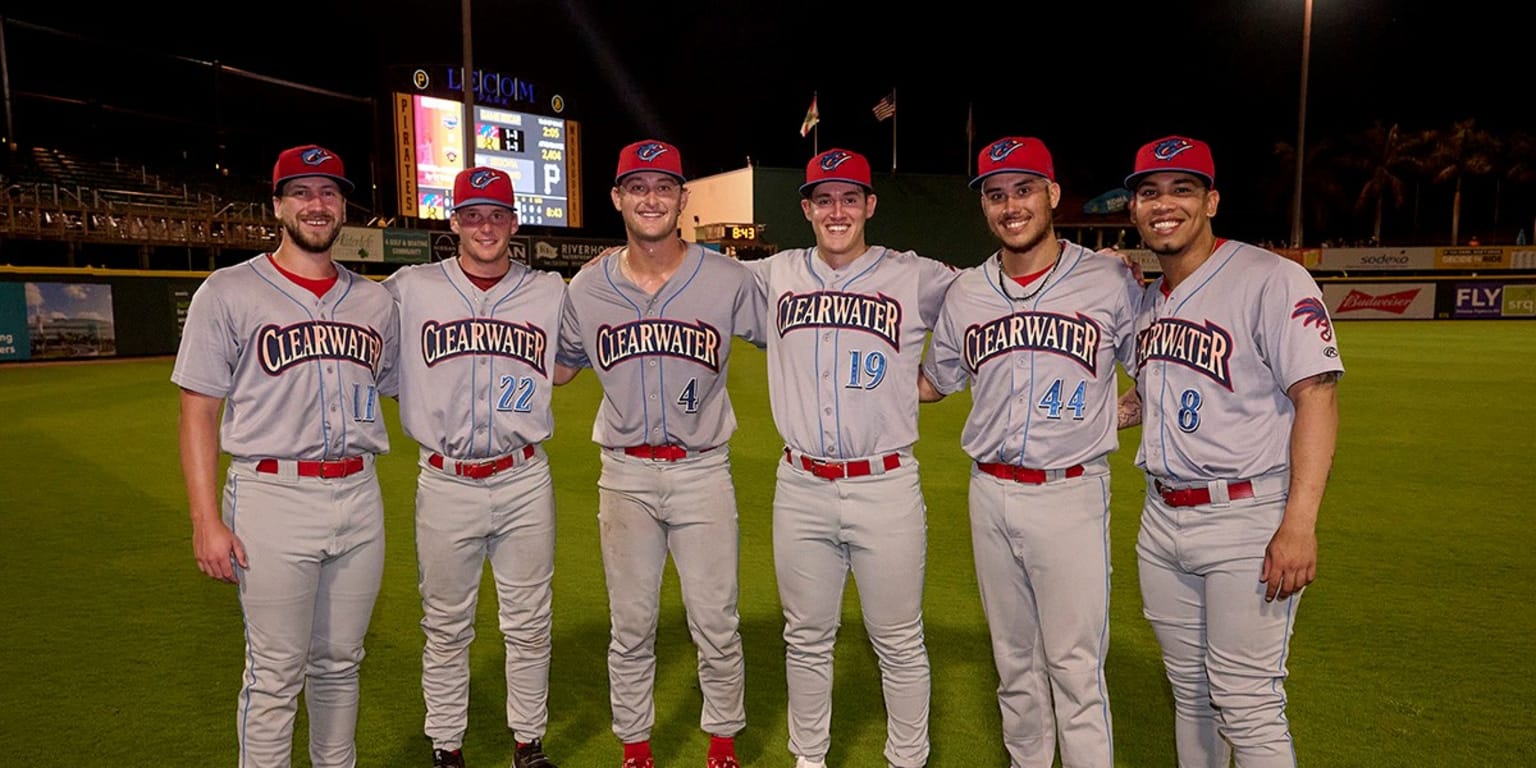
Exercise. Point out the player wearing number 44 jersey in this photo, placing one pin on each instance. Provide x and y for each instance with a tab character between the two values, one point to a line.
1237	371
298	350
478	335
655	321
1035	331
849	323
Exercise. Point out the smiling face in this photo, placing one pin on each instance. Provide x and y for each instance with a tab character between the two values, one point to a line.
484	232
1018	208
837	211
651	204
311	210
1172	210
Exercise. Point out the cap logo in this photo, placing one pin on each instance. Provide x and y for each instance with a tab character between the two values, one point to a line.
831	160
1003	149
316	156
649	152
1170	148
482	179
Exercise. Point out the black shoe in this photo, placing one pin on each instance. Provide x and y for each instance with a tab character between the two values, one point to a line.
442	758
531	755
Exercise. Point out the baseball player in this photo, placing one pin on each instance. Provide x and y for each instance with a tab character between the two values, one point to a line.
849	324
1035	331
655	321
478	337
1237	371
299	349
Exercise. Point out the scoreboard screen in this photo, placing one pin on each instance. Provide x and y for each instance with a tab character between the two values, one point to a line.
540	153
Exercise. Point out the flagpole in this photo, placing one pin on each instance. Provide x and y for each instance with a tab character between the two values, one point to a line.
894	118
816	129
970	134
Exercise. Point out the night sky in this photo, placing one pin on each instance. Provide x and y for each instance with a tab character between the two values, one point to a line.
726	80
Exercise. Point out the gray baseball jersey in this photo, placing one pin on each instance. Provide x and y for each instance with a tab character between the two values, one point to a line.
845	346
1042	371
475	381
661	358
1215	358
301	375
476	365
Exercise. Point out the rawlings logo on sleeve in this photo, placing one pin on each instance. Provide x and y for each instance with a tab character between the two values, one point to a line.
879	314
1075	338
280	348
482	336
1207	348
699	342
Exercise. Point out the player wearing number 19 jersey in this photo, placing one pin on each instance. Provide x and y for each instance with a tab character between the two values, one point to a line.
1237	370
1035	331
655	322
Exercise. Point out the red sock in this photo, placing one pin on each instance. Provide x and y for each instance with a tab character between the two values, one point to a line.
520	744
638	750
722	746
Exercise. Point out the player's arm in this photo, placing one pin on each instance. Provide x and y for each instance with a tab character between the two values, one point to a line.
926	391
564	374
213	544
1128	408
1290	560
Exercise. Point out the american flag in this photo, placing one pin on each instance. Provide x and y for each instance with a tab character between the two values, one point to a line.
885	109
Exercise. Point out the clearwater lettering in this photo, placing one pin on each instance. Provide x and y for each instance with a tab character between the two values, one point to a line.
699	342
879	315
1077	338
1206	349
280	348
483	336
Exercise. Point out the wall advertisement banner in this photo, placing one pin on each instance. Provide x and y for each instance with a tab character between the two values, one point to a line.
359	244
1486	257
15	338
1380	301
407	246
1491	300
1374	259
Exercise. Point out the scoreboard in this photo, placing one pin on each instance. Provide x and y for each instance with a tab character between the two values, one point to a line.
541	154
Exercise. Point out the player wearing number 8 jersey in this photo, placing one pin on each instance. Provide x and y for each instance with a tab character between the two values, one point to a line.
478	336
1035	331
655	321
849	324
1237	370
298	349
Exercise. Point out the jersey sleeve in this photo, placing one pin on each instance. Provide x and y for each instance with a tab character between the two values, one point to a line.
205	360
388	381
944	365
933	281
1298	336
570	352
1126	309
751	309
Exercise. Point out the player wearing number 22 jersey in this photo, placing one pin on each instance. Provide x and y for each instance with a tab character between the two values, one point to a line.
1035	331
1237	370
849	321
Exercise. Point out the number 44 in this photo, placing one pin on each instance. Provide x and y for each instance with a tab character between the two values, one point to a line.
1052	404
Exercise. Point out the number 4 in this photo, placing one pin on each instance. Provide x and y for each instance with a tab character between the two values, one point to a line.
689	397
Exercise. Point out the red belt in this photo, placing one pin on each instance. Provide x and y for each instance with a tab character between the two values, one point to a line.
837	470
483	469
328	469
1194	497
667	452
1025	474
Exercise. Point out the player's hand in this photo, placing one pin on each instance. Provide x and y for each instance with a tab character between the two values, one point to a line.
1125	258
1128	412
1290	562
218	550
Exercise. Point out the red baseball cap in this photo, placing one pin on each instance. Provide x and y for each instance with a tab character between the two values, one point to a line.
483	186
1174	153
309	160
649	155
1014	154
836	165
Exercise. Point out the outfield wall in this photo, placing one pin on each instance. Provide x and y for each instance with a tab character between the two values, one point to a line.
62	314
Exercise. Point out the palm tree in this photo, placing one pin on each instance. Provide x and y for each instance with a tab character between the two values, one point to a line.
1458	152
1515	161
1383	153
1323	190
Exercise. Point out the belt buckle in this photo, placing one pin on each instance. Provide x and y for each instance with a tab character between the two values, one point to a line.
333	469
828	470
477	471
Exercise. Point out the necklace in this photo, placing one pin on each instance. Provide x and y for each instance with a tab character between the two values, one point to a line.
1003	281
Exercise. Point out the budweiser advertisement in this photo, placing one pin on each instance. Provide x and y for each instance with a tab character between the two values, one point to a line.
1380	301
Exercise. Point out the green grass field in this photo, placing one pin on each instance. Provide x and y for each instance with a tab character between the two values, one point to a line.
1413	649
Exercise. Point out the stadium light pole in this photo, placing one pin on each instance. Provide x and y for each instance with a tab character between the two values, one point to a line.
469	91
1301	125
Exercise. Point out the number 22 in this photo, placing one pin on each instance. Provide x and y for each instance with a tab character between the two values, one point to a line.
521	389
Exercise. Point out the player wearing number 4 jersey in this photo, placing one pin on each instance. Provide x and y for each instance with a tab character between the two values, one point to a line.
849	323
478	336
655	321
298	350
1237	370
1035	331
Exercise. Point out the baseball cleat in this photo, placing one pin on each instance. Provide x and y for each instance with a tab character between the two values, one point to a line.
443	758
531	755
